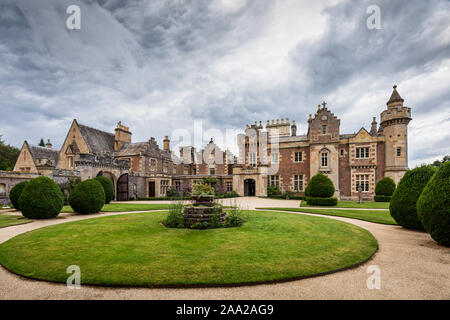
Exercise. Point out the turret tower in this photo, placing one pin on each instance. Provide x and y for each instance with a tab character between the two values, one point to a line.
394	127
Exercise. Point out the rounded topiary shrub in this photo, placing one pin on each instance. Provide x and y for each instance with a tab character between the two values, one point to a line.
15	193
108	187
385	187
320	186
87	197
404	199
433	206
41	199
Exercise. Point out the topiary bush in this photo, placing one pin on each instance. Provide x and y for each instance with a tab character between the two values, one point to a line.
320	186
87	197
382	198
15	193
317	201
433	206
385	187
108	187
404	199
41	199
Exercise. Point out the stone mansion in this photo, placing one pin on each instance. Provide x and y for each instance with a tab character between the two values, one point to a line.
274	155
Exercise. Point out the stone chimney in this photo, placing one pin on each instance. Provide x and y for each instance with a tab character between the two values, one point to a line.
373	129
166	143
48	144
122	136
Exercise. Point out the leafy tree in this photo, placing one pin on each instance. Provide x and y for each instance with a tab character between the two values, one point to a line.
42	143
438	163
8	156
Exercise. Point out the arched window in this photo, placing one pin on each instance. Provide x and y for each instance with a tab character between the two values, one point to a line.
324	157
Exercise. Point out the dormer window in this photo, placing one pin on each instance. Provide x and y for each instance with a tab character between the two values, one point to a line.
324	129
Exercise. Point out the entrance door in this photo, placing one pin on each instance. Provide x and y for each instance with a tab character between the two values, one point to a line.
249	188
122	188
151	189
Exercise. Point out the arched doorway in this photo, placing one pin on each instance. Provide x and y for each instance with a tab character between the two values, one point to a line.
122	188
249	187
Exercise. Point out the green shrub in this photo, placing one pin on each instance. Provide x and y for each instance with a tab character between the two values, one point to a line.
273	190
41	199
385	187
87	197
15	193
202	190
433	206
404	200
320	186
318	201
108	188
175	217
172	193
382	198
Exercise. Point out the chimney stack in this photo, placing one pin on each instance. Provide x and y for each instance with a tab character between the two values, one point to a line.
166	142
294	129
122	136
48	144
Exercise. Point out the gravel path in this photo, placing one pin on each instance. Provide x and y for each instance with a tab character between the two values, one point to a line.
412	266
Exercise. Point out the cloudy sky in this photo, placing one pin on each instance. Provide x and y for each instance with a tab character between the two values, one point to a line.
158	65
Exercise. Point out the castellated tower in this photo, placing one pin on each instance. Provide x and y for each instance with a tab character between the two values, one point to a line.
394	127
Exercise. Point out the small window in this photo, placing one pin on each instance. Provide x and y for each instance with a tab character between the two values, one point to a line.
274	181
324	159
399	152
186	170
212	169
252	159
298	182
324	129
298	156
70	162
165	167
362	153
164	185
229	186
342	152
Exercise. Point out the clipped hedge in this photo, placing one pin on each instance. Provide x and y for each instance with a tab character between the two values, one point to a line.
385	187
41	199
318	201
433	206
320	186
382	198
15	193
108	187
404	200
87	197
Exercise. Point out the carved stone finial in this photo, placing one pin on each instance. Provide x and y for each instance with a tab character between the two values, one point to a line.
324	104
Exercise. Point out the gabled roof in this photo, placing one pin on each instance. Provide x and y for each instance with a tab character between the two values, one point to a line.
98	141
149	148
395	97
38	152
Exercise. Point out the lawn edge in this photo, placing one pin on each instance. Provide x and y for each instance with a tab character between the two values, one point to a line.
324	214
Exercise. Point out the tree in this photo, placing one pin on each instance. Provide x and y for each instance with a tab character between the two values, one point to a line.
438	163
8	156
42	143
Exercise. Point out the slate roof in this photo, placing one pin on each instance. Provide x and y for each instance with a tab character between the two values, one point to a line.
44	153
97	140
149	148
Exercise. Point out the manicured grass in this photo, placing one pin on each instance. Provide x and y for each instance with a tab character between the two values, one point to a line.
377	216
125	207
136	250
7	220
353	204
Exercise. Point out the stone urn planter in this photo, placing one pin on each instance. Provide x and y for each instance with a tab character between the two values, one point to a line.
202	210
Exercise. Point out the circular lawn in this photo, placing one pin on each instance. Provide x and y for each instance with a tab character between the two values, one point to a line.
136	250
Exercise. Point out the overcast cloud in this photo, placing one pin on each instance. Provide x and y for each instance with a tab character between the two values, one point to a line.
158	65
